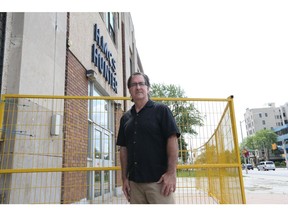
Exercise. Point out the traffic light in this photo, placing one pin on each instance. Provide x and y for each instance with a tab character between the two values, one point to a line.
274	146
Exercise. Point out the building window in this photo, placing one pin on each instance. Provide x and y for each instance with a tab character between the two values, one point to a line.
260	115
131	66
266	114
110	24
100	145
263	122
2	41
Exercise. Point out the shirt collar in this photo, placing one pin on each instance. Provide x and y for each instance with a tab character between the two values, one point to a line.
149	104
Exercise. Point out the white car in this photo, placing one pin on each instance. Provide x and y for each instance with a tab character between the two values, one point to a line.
266	165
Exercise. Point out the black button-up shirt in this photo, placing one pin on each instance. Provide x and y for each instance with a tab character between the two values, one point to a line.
145	135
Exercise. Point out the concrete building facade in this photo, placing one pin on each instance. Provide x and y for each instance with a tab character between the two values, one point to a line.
73	54
265	118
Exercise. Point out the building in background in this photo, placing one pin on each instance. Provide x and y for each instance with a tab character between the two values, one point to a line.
282	142
265	118
69	54
272	118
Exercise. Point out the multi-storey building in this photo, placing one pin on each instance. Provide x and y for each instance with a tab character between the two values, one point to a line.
67	54
265	118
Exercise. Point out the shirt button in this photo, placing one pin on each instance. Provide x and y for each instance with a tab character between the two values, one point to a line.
135	163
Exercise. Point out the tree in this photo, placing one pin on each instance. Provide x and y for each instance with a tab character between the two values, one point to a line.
261	140
184	112
264	138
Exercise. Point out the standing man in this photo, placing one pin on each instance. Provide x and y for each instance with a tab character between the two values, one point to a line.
148	140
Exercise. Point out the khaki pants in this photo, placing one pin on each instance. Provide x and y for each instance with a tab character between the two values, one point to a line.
148	193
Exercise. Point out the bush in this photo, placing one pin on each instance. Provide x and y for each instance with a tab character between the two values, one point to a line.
277	164
280	164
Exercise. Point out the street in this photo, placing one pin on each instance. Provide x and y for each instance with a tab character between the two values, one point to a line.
266	187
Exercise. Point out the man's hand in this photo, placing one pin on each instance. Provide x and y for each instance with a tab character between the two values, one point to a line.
126	189
169	183
168	179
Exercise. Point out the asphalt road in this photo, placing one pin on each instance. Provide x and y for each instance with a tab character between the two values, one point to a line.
266	187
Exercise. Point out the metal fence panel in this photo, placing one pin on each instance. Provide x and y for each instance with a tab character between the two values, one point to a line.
61	149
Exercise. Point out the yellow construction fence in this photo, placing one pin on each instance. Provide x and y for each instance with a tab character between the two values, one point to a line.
61	150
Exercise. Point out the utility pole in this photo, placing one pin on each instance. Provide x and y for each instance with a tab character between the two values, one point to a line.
241	130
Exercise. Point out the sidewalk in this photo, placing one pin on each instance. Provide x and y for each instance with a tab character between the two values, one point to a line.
270	187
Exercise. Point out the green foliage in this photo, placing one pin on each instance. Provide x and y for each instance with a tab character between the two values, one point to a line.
261	139
166	91
186	173
184	112
277	163
283	164
280	164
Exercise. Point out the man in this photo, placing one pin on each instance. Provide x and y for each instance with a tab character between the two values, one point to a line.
148	140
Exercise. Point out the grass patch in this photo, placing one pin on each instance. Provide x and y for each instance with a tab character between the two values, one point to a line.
186	173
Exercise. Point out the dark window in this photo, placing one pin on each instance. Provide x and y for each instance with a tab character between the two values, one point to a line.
110	24
2	42
131	66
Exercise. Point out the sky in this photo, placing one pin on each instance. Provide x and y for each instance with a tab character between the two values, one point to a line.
214	49
211	49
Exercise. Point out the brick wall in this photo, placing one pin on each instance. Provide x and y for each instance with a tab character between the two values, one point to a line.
74	184
118	115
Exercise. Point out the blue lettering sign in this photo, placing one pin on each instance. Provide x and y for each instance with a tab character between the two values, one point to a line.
103	59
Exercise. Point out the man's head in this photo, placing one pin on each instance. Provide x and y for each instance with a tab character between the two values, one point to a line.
138	85
146	78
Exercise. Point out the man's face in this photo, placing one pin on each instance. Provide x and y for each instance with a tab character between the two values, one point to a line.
138	88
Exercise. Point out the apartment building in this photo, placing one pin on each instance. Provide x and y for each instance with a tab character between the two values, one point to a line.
265	118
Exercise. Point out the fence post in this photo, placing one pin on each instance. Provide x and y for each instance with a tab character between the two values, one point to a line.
234	131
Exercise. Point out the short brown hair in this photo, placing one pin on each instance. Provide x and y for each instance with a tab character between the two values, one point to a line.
146	78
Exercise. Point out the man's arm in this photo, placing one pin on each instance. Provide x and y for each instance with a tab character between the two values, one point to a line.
124	163
172	152
169	178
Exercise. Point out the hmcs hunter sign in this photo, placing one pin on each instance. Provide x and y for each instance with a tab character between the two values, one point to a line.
103	59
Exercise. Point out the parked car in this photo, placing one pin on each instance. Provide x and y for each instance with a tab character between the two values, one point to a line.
266	165
249	166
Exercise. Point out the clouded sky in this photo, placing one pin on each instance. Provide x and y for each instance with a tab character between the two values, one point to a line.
215	49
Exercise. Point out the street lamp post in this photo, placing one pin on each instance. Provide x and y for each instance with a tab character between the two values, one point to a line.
241	130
